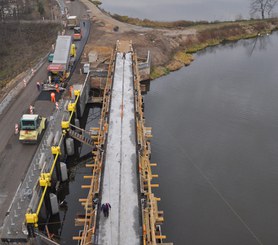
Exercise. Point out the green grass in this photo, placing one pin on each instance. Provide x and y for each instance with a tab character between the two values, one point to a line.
159	71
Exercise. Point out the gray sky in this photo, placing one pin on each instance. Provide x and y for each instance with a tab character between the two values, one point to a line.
180	9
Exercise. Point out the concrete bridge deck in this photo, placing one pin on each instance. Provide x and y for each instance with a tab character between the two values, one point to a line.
120	182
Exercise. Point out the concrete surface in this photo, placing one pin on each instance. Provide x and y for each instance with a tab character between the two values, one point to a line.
120	170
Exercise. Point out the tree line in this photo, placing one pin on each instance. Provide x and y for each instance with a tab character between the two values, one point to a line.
21	9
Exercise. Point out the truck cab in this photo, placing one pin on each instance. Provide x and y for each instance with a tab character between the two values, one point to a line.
32	127
50	57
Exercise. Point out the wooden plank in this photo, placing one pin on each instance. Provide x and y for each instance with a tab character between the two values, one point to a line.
160	219
160	237
77	238
82	199
88	177
154	185
82	220
85	186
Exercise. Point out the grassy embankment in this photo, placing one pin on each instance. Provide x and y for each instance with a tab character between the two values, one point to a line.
21	45
207	34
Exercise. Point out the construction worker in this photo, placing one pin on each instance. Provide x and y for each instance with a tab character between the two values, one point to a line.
105	209
52	95
70	91
57	88
31	109
38	86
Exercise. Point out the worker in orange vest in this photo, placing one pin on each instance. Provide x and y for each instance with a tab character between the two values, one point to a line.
52	95
70	91
57	88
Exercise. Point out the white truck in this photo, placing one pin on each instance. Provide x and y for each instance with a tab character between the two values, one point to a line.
72	22
62	63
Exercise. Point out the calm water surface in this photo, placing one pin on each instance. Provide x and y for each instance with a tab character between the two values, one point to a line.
215	127
180	9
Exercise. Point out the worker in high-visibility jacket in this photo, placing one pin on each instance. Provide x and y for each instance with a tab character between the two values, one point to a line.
57	88
52	96
71	91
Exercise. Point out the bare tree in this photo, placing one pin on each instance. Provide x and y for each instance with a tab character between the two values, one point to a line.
262	7
3	9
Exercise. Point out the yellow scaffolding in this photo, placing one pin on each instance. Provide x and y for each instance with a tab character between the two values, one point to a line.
32	217
152	218
88	221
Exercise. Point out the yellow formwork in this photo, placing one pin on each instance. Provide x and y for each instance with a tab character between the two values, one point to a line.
45	178
89	220
151	216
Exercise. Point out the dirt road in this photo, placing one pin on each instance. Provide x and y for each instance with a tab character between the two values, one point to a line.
162	43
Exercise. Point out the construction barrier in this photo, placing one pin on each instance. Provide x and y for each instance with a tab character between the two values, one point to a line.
16	130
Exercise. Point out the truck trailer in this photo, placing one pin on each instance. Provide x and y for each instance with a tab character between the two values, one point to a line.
62	63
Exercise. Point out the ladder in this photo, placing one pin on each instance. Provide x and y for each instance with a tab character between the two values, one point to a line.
81	138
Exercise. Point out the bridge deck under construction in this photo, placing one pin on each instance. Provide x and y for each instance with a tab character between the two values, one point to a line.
120	184
121	170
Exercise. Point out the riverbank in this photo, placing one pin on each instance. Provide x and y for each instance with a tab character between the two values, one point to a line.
171	48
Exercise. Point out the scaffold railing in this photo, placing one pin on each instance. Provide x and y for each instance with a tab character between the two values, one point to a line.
90	203
151	217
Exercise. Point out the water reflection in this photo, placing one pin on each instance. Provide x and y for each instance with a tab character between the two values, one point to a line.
215	139
259	43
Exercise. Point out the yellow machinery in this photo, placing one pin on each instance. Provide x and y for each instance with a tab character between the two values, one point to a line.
32	127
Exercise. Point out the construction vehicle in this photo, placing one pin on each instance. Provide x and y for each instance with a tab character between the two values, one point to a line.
62	63
32	127
77	33
72	22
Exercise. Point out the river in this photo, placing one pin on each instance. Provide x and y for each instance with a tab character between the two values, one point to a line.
215	127
165	10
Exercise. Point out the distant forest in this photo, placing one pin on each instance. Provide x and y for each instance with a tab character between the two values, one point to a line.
25	35
26	9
